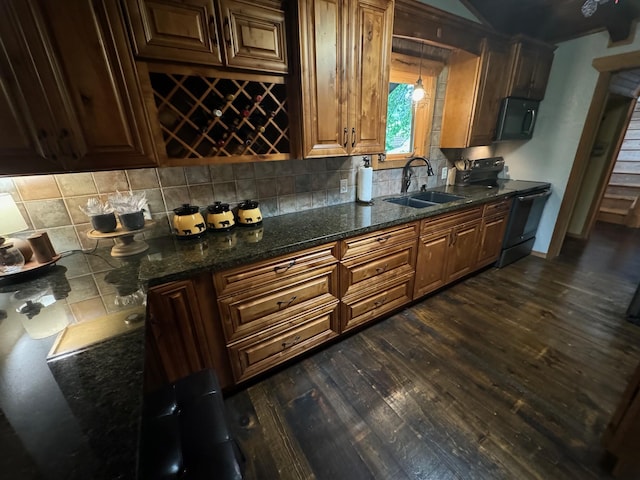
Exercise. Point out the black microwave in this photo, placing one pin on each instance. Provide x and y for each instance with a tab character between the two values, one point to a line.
517	119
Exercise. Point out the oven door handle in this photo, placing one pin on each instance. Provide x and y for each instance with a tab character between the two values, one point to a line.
533	197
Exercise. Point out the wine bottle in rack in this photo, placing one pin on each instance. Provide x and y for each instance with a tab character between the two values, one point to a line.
258	120
246	134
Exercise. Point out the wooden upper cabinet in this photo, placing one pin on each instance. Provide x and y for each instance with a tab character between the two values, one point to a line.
254	36
184	31
345	57
475	88
75	86
235	33
530	67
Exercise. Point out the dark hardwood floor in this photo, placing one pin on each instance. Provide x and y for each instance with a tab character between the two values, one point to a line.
510	374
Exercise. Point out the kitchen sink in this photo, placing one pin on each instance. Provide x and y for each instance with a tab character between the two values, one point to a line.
436	197
424	199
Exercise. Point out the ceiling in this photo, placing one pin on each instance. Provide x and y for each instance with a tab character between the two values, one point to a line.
556	20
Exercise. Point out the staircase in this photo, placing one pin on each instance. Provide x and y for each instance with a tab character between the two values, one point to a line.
621	203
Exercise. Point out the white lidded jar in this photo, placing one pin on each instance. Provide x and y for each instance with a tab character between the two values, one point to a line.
364	187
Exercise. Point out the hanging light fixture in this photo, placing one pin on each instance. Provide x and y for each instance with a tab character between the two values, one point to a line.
418	89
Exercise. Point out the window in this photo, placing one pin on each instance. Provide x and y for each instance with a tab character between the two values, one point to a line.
400	119
408	123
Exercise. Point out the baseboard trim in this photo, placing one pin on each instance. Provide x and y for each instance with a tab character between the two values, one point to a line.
539	254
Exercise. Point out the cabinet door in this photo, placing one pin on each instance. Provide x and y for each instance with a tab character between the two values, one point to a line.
491	87
30	102
175	324
254	36
110	127
491	235
461	258
181	31
369	71
541	75
323	58
431	265
530	67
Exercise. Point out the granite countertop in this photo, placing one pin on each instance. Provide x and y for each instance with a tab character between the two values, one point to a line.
72	342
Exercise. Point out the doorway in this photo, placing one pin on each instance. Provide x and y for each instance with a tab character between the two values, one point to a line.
602	158
607	66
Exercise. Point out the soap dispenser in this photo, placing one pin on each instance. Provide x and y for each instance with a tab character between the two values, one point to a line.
365	182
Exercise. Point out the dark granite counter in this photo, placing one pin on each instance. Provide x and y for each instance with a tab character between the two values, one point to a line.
71	339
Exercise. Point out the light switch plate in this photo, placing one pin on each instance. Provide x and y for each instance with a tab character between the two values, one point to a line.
344	186
443	175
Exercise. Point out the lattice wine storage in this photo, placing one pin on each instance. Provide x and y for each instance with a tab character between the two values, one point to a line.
216	117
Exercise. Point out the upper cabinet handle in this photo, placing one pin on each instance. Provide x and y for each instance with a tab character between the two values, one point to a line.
346	137
212	32
227	32
353	137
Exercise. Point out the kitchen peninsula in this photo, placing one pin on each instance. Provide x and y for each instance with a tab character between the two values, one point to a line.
76	415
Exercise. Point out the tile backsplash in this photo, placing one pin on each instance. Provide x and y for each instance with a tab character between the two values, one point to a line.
51	202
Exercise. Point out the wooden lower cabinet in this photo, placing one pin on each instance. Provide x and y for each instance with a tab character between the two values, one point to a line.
376	274
359	309
447	249
494	224
246	320
183	332
260	352
274	310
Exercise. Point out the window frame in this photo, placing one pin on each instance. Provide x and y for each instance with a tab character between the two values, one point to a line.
406	69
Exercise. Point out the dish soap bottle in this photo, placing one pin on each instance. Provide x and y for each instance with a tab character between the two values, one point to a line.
364	188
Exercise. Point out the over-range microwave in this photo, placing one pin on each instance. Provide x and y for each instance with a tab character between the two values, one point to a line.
517	119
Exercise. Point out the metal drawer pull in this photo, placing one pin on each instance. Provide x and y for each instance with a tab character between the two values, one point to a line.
382	269
286	304
282	269
383	239
379	303
295	340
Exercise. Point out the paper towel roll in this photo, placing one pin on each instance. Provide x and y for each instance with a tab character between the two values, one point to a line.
365	184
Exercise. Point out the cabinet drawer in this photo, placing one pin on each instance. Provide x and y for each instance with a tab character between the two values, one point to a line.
259	353
378	240
497	207
246	314
359	310
256	275
380	266
448	220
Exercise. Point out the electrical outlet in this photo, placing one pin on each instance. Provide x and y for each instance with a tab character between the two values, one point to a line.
147	212
344	186
443	175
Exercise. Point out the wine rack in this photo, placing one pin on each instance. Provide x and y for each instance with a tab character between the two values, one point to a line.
204	117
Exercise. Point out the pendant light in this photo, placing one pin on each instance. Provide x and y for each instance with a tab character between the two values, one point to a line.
418	89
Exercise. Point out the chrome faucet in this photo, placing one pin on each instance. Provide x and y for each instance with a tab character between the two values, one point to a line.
407	172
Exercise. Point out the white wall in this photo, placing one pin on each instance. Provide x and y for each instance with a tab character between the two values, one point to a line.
549	155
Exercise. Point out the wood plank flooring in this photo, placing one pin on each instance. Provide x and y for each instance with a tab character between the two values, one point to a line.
510	374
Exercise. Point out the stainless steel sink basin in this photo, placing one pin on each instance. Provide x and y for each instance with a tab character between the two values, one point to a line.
436	197
424	199
410	202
